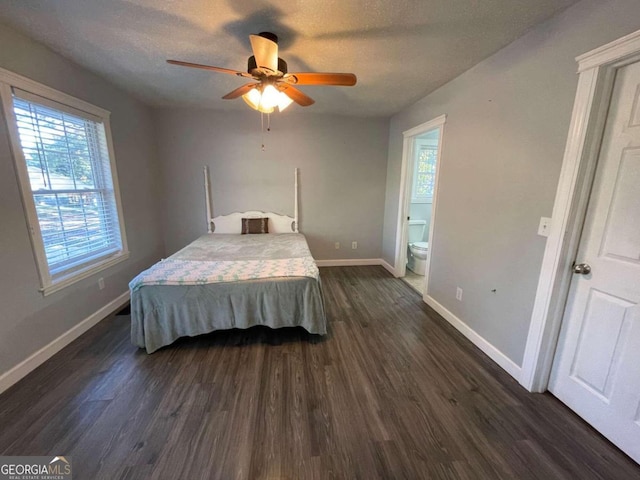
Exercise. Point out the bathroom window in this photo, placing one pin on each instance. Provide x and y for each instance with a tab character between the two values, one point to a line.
424	173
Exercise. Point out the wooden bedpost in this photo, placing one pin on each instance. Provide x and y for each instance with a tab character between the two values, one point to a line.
207	197
295	207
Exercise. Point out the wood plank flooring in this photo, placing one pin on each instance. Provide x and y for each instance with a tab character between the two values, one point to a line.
393	392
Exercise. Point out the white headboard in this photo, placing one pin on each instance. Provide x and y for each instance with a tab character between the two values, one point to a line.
232	223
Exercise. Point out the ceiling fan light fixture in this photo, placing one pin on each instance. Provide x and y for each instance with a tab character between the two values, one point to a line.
266	99
255	99
283	101
270	97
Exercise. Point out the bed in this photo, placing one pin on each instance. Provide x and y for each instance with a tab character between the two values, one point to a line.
226	279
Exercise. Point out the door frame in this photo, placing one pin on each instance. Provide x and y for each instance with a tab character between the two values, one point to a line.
596	70
406	179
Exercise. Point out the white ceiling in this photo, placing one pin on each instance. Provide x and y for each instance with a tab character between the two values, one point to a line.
400	50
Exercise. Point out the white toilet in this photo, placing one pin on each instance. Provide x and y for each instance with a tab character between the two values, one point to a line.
417	249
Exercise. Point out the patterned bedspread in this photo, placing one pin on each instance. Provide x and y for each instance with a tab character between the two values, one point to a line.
202	262
193	272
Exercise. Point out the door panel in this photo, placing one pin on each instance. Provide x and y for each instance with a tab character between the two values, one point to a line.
635	111
600	343
622	236
596	370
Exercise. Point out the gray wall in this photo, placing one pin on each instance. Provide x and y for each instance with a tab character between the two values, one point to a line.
29	321
503	144
342	161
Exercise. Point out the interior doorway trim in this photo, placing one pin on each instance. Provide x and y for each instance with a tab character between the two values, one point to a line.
596	71
406	175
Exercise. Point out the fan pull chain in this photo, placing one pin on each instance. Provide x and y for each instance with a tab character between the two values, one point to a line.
262	129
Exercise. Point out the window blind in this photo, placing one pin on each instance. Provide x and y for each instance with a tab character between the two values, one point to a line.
70	178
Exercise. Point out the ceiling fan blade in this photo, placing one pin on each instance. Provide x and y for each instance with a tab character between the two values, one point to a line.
265	51
238	92
210	67
296	95
340	79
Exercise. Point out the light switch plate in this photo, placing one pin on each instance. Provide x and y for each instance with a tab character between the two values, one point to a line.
544	227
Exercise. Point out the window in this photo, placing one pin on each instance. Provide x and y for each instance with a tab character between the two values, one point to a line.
67	174
425	172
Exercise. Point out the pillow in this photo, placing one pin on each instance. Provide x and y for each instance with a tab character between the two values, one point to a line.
255	225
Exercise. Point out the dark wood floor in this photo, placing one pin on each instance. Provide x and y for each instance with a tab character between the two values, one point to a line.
393	392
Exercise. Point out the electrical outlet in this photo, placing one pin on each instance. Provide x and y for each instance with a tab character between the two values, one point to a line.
459	294
544	227
101	283
354	245
337	245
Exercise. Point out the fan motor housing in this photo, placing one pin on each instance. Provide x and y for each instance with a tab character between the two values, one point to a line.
252	66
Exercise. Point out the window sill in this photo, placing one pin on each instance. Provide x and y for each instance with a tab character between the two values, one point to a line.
422	200
77	275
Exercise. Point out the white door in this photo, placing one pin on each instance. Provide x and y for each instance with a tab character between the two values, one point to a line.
596	370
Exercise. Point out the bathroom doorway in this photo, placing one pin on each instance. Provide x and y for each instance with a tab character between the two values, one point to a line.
422	146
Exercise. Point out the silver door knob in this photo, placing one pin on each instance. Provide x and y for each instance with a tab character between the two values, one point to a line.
582	269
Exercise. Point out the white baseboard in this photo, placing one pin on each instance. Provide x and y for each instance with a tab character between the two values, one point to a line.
492	352
29	364
388	267
349	262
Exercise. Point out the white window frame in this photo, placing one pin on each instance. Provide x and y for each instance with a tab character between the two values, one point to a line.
48	284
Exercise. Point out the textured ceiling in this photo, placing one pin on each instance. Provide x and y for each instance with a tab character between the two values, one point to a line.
400	50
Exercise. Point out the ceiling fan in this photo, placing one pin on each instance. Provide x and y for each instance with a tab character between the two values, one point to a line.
273	86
